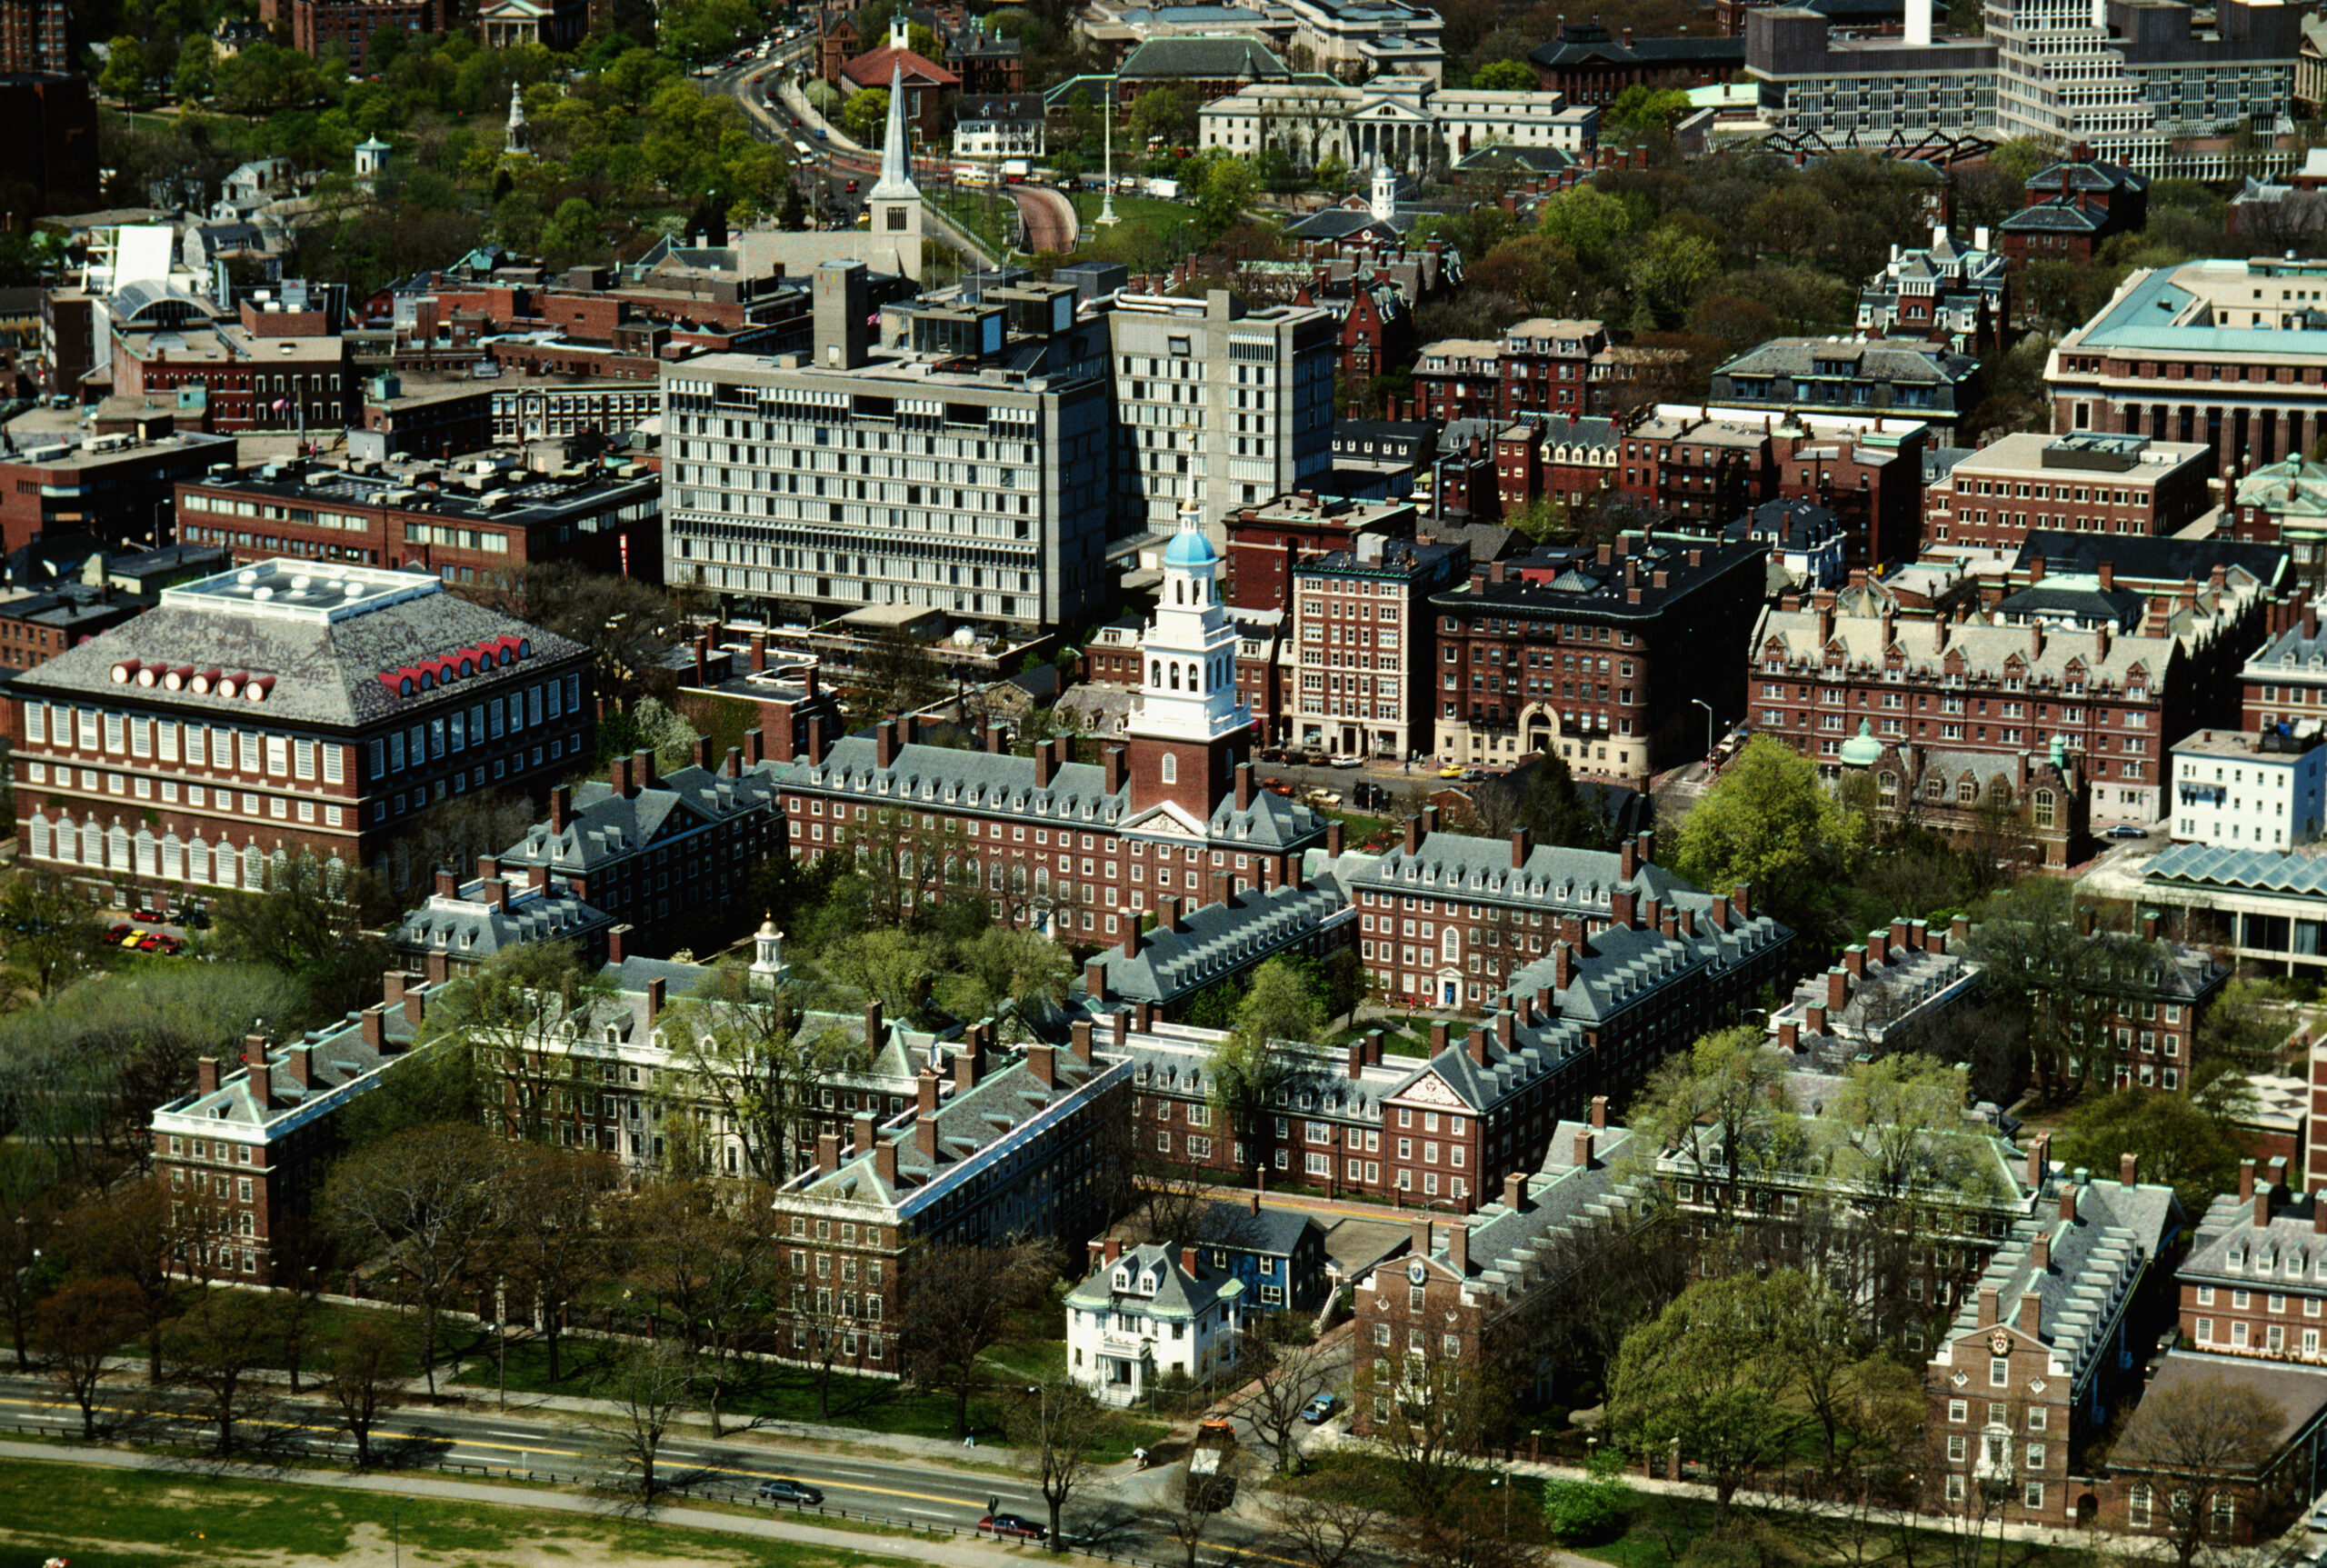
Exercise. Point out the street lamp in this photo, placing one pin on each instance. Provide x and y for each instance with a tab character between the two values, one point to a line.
396	1530
1700	702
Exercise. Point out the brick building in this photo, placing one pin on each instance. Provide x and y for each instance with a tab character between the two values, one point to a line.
466	521
39	626
282	708
462	923
1363	626
2112	693
668	853
278	370
1590	66
1266	541
316	25
1958	294
1536	367
2083	482
2044	1348
2073	207
35	36
2224	352
1599	653
1155	815
1913	381
245	1151
1464	1291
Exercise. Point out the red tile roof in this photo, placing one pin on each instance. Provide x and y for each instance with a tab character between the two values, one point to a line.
875	67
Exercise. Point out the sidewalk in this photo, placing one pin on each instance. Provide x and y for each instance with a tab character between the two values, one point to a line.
958	1553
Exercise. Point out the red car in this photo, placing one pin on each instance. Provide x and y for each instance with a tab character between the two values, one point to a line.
852	187
149	915
1012	1524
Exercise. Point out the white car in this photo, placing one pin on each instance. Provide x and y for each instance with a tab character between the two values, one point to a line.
1345	760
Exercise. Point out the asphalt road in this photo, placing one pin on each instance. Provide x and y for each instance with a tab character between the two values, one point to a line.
1122	1510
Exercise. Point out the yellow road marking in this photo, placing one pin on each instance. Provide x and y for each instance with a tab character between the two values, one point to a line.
524	1448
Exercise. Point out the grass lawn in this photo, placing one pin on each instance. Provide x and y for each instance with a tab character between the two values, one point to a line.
994	228
1402	1034
128	1519
1658	1529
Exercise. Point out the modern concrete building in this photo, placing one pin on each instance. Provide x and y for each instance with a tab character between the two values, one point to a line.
960	465
2146	86
1216	404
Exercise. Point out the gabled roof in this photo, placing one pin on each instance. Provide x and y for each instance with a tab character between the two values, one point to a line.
1219	941
1178	1295
877	68
604	826
1203	57
1509	1250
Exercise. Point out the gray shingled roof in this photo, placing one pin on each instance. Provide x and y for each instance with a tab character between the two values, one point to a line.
1177	1294
467	930
325	672
1218	940
604	825
1216	58
1508	1247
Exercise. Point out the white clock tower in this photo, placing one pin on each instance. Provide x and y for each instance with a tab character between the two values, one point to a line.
1191	729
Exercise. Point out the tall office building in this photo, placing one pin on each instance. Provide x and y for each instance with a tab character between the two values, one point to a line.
960	467
1217	407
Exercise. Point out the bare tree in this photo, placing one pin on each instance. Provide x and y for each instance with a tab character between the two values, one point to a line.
645	1391
1187	1516
422	1207
1058	1428
958	1304
1286	1378
365	1377
551	1201
1329	1527
137	1234
703	1260
219	1348
78	1330
2199	1441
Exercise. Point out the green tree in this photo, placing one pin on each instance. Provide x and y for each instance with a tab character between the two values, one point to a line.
1643	114
959	1303
50	936
865	115
740	1053
1504	77
126	68
1227	188
1722	1107
1540	796
2177	1139
1251	1065
197	77
2248	1026
552	1204
1020	976
313	919
1588	221
1709	1374
1165	115
1770	822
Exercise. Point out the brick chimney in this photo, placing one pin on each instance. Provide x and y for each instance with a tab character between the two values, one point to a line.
1838	989
1041	1060
2032	1314
1458	1249
1584	1140
205	1074
1600	1112
617	942
655	991
1440	1030
561	807
1523	844
1045	764
2129	1168
863	1127
885	745
1420	1247
884	1162
1243	787
1988	1298
875	1034
1515	1190
827	1152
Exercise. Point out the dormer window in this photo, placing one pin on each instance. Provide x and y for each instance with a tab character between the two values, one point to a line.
1147	1285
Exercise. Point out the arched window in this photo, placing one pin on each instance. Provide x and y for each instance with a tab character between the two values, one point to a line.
1175	677
2041	806
43	844
1155	672
1179	592
1172	766
1450	947
1886	788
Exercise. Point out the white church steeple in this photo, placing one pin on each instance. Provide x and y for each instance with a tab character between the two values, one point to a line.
519	136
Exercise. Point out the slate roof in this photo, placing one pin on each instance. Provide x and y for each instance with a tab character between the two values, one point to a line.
1178	1295
1339	223
2144	558
1219	941
1274	1231
2291	488
604	826
1004	784
2299	1392
2290	650
2090	606
2231	1249
1987	650
2061	214
340	1063
1576	47
2095	1261
1176	1059
1205	57
1506	157
1585	590
1786	524
1579	882
877	68
467	930
326	673
1892	360
1507	1247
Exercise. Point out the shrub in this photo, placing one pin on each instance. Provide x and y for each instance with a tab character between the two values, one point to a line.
1583	1513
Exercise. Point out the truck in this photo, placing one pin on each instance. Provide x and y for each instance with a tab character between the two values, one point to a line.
1015	170
1164	190
1211	1486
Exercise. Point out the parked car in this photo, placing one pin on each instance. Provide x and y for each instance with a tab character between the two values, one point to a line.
194	920
2127	830
781	1489
1016	1525
149	915
1472	775
1346	760
1315	1412
115	933
1450	772
1276	786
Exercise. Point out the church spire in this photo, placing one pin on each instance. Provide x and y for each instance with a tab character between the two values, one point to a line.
895	184
517	132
